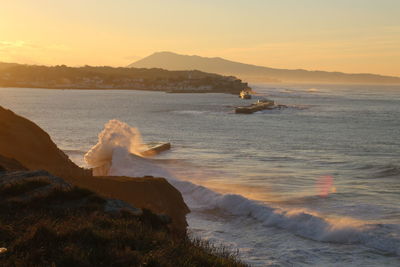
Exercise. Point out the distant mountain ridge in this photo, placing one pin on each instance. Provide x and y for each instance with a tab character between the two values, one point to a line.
253	73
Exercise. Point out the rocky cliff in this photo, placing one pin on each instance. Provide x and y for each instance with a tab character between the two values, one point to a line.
155	194
46	221
24	141
24	145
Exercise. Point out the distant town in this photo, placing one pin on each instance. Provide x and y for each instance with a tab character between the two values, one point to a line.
88	77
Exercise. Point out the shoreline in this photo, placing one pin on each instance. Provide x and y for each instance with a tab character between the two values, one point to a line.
148	202
23	140
50	109
109	78
129	89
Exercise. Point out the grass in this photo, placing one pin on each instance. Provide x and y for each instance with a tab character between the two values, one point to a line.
16	189
70	228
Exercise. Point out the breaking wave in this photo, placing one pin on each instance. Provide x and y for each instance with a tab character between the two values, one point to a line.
116	134
118	147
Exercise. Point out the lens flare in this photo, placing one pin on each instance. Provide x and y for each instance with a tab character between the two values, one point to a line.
325	186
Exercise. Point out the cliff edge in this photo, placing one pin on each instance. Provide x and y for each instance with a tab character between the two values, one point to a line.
23	143
46	221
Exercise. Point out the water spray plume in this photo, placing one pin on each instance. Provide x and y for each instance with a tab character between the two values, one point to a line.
115	134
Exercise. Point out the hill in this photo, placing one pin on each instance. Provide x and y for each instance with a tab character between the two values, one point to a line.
46	221
88	77
253	73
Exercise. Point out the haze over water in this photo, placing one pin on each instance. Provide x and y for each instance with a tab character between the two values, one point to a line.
317	183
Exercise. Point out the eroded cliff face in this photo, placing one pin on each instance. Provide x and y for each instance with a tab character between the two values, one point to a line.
26	142
23	144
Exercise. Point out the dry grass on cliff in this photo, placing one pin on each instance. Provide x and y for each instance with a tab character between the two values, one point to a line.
70	228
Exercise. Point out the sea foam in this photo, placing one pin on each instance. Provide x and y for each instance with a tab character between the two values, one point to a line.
116	134
119	146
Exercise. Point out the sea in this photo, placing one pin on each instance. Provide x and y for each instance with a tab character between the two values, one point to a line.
313	184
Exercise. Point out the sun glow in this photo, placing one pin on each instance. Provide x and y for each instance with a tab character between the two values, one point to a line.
332	35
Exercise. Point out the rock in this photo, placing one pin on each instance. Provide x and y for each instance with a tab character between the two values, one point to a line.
116	206
165	218
23	176
48	183
32	147
9	164
154	194
44	184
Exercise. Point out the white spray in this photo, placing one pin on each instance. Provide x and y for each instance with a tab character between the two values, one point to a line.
119	149
116	134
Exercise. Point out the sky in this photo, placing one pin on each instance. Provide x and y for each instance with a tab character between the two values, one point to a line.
356	36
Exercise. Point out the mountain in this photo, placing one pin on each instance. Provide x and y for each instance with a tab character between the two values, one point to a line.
253	73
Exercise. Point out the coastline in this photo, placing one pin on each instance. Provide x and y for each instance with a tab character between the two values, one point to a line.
109	78
130	89
28	144
74	124
25	148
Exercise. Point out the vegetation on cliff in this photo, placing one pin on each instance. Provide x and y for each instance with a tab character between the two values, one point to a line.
47	222
27	143
87	77
75	219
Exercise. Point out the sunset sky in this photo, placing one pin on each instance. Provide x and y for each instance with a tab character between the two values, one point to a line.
334	35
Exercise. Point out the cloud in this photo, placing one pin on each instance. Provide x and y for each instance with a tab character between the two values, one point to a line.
11	44
21	51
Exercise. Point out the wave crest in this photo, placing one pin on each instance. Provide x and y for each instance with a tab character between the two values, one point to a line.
115	134
118	143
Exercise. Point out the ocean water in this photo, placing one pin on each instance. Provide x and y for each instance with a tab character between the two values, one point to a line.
315	184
